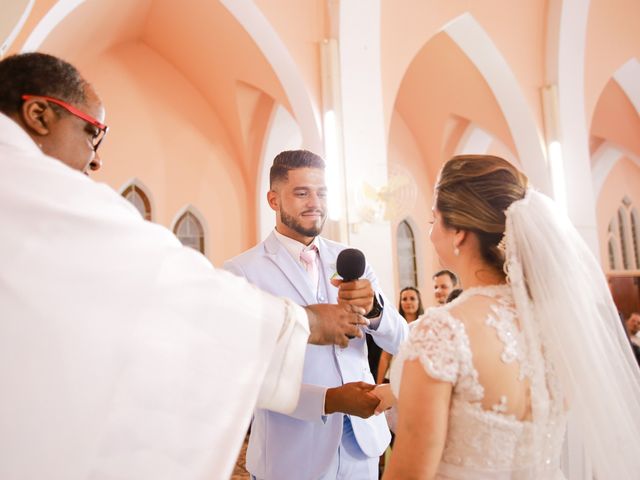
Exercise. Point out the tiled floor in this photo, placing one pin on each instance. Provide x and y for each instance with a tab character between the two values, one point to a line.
239	472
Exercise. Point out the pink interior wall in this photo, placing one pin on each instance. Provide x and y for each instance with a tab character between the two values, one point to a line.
612	39
499	149
39	9
301	25
440	82
624	179
206	43
520	40
454	128
616	119
255	109
165	134
404	151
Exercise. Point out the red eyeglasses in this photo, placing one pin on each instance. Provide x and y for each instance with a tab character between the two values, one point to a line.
102	128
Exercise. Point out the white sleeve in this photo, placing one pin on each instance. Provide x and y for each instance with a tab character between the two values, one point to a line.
437	339
281	385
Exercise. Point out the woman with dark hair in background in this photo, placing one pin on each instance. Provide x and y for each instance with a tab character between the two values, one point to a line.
410	307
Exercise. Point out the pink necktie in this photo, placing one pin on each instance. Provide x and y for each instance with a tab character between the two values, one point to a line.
309	257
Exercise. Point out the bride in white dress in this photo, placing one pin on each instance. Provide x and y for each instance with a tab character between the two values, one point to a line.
486	384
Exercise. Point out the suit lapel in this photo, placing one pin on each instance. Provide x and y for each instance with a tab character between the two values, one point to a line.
328	268
291	270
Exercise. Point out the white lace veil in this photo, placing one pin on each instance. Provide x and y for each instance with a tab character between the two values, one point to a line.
561	292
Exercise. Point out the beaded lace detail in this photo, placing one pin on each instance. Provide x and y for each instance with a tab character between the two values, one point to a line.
488	443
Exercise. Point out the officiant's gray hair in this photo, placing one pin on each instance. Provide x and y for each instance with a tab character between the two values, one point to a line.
473	192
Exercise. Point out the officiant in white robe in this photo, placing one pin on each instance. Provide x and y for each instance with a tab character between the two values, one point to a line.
123	354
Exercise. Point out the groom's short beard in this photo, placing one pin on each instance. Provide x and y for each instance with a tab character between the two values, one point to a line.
291	222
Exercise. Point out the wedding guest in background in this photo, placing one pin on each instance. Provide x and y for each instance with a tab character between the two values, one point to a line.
443	282
410	307
455	293
632	325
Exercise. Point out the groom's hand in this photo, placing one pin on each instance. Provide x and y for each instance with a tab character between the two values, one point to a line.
387	400
335	324
355	398
356	292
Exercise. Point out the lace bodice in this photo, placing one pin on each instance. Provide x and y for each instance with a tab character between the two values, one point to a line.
486	442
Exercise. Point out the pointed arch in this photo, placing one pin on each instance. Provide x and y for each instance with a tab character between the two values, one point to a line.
56	14
604	159
406	255
139	195
635	236
628	77
475	140
613	246
474	41
623	237
622	232
190	228
253	20
15	15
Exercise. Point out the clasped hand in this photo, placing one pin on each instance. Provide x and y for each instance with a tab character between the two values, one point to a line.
359	398
354	398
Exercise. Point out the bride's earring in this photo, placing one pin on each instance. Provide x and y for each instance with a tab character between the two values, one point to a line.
456	251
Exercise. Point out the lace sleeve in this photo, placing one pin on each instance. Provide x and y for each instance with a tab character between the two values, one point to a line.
435	339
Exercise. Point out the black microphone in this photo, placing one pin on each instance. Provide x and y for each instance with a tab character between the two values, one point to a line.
350	264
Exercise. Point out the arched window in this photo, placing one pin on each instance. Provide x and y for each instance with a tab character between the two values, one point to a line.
635	234
189	231
623	237
139	199
622	227
406	249
612	241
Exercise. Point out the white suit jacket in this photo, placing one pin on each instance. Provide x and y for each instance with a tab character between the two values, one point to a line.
301	445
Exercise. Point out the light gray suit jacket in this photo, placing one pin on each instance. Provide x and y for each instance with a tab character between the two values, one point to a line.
301	445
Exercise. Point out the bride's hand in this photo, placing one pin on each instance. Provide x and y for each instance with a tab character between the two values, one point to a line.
387	400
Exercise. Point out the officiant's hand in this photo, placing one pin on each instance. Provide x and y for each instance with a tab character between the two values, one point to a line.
355	398
335	324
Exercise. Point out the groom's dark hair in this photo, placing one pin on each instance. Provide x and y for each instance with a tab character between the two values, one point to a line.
291	160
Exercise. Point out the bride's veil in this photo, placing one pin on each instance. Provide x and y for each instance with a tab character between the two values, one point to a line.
562	294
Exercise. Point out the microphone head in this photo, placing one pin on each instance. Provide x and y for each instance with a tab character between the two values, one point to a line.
350	264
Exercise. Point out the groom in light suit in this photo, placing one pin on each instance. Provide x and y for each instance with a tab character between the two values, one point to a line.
332	433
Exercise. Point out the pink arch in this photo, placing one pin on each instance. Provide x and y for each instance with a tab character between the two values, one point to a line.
249	15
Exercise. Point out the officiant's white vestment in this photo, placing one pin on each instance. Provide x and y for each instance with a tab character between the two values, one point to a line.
123	354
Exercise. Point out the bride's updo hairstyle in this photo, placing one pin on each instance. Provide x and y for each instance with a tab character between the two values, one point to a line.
473	193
